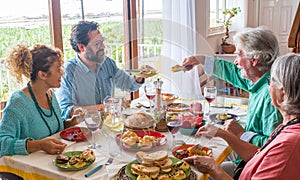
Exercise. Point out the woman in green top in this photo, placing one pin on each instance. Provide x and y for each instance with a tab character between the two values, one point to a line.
32	113
257	48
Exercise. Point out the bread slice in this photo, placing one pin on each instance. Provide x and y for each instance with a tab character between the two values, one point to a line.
141	169
178	175
143	177
164	177
140	156
156	156
167	164
177	68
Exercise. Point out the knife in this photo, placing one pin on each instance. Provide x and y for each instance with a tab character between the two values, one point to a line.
94	170
133	70
225	107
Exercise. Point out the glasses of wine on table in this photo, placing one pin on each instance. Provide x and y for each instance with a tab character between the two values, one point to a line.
210	94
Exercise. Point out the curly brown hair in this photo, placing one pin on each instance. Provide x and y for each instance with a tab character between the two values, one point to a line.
28	62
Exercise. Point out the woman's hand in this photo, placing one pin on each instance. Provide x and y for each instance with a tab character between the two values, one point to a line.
208	165
209	131
53	146
204	164
234	127
49	145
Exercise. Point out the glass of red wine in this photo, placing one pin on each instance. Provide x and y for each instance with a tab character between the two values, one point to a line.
150	91
93	121
210	94
173	127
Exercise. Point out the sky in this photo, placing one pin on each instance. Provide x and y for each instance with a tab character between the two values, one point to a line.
33	8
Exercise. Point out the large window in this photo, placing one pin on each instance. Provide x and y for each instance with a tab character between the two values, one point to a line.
20	23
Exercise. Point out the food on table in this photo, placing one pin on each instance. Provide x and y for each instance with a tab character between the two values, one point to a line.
198	150
188	150
146	71
132	140
76	161
223	116
62	159
168	96
172	116
190	121
195	108
157	165
139	120
177	107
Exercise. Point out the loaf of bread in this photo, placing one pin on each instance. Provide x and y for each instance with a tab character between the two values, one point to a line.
139	120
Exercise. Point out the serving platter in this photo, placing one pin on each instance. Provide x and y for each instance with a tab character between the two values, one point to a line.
134	177
161	140
69	167
75	134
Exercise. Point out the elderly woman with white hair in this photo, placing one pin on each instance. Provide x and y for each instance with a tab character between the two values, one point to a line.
279	158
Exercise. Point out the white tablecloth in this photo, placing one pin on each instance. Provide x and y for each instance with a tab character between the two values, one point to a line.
39	165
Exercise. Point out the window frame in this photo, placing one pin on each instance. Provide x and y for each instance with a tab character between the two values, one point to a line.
220	28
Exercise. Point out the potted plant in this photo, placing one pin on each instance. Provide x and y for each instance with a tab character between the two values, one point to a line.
228	48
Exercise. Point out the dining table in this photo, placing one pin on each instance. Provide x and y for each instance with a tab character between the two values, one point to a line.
40	165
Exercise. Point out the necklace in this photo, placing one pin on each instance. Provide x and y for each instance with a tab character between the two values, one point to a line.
41	112
274	135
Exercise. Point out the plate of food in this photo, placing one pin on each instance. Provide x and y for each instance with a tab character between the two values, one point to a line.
168	98
177	107
157	165
144	72
220	118
141	140
75	133
75	160
188	150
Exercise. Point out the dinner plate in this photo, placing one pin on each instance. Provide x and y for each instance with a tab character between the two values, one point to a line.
71	167
75	134
177	107
160	140
183	149
213	117
130	111
134	177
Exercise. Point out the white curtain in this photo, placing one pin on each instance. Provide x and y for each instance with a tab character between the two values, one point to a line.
179	41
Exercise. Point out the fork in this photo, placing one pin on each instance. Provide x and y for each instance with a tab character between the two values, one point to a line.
109	161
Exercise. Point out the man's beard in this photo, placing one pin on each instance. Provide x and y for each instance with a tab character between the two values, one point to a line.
99	57
247	74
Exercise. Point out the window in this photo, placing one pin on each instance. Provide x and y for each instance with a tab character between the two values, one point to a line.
216	15
109	15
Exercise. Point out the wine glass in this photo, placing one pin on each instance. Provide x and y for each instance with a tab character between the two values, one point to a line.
150	91
210	94
93	121
173	127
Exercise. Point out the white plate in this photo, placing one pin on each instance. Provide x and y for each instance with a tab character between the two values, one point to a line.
130	111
